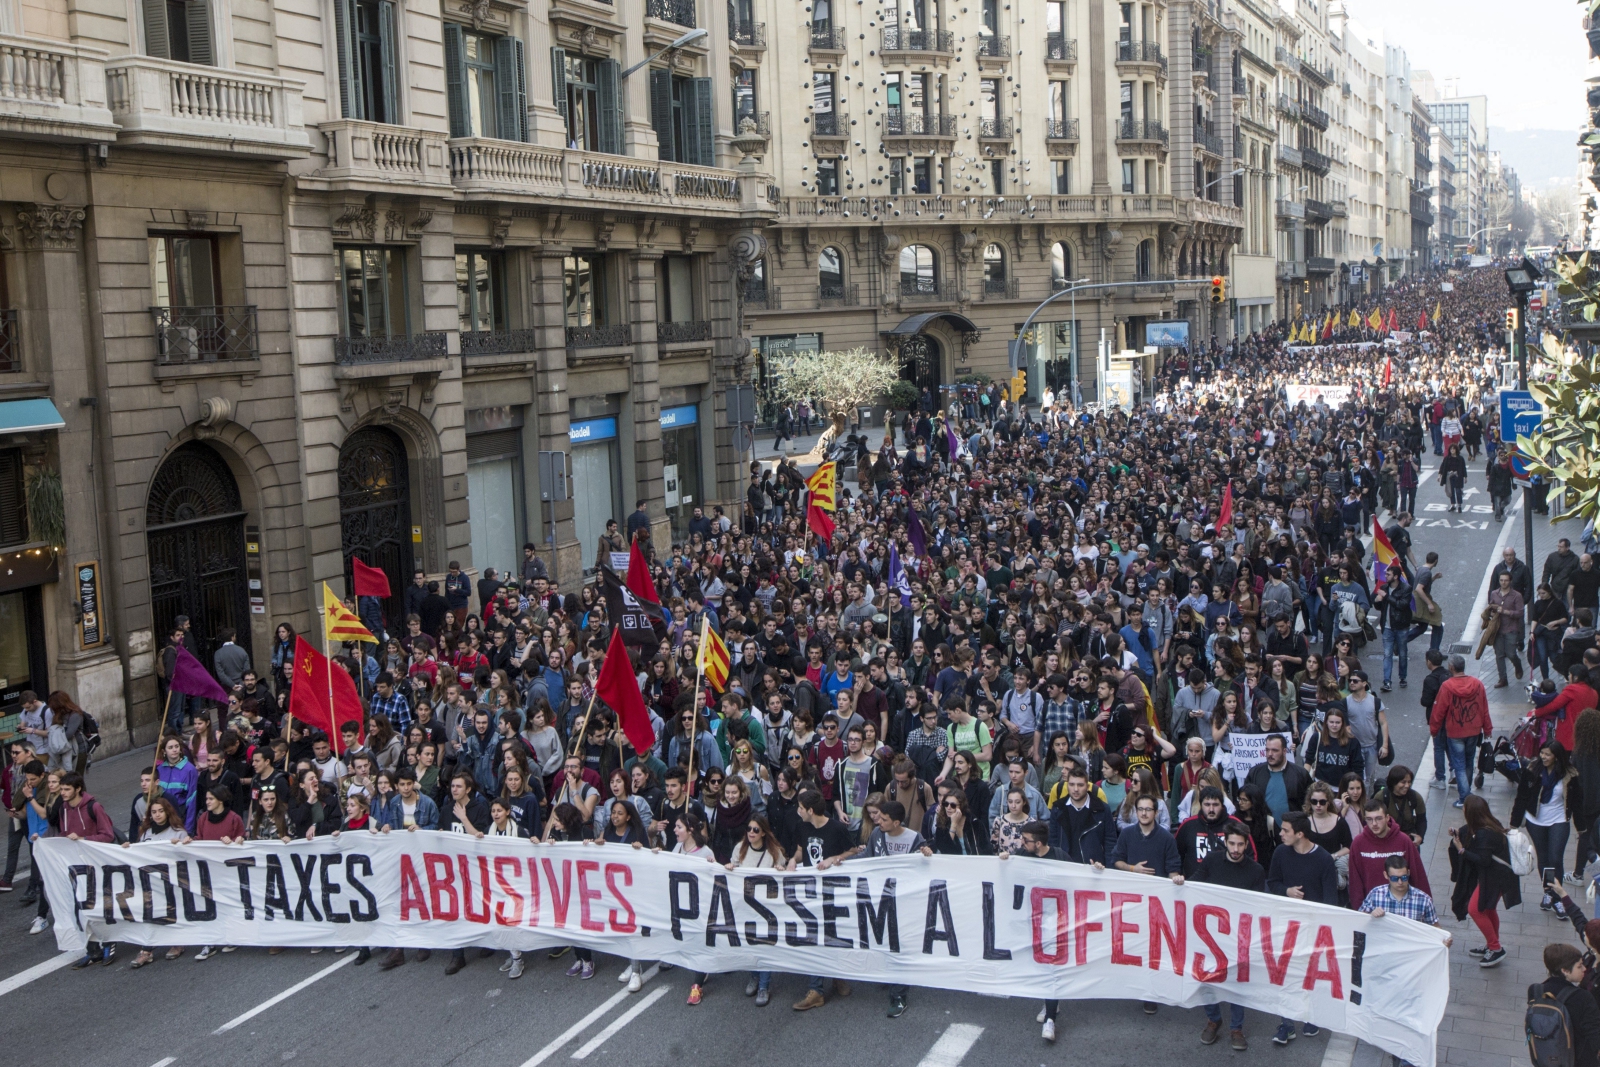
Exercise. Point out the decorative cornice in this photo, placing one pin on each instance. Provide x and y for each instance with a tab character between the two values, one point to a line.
51	227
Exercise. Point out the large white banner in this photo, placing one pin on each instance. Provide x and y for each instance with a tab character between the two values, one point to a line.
1018	927
1332	395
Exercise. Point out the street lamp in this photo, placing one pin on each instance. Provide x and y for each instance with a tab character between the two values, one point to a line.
1522	279
688	38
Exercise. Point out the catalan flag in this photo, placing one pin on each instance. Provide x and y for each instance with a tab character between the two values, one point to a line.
342	623
1383	554
822	487
712	659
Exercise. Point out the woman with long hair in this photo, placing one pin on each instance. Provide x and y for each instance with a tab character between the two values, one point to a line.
742	764
758	849
1086	749
1353	802
387	747
1405	805
729	816
1480	867
1331	750
1141	783
1186	775
1328	827
1252	810
1586	808
162	822
1543	807
282	656
954	830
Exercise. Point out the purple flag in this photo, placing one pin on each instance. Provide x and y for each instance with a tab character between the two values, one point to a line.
914	531
190	678
953	441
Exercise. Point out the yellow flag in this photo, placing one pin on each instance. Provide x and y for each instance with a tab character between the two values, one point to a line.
823	486
342	623
712	658
1375	320
1355	319
1436	313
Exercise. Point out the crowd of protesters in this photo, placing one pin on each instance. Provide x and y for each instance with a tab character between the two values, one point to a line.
1082	657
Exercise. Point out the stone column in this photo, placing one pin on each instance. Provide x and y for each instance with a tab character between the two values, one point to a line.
645	379
547	296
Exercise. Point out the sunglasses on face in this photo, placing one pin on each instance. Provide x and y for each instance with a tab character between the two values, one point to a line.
1398	878
1319	803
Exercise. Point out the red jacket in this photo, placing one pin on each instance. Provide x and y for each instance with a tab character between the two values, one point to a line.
1461	709
1574	698
1367	854
229	826
88	820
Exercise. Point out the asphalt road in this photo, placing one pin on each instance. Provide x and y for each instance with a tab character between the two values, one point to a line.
321	1009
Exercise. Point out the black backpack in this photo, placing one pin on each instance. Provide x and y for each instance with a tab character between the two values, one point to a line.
1548	1025
91	733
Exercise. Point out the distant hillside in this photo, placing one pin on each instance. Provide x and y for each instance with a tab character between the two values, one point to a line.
1538	156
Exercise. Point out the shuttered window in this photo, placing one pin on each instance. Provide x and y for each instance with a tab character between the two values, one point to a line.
486	85
588	94
13	500
179	29
366	39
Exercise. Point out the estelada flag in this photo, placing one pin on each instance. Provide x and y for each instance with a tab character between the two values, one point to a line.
643	588
1375	320
822	487
368	581
712	659
620	690
1225	513
819	523
1383	554
342	624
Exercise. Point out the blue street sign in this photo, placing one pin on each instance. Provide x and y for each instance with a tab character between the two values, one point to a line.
1520	414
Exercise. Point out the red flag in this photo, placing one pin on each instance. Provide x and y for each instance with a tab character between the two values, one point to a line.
1225	514
1394	321
1422	321
620	690
1327	329
347	706
368	581
639	583
1388	371
308	699
819	523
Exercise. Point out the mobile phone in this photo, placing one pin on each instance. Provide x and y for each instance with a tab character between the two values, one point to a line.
1547	875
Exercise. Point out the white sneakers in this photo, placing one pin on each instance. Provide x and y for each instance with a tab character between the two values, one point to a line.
635	982
516	969
40	925
1049	1032
1041	1016
627	972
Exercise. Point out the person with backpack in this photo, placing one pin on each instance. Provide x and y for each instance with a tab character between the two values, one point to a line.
83	818
1562	1022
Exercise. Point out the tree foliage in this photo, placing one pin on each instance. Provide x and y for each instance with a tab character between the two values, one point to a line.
1567	447
839	381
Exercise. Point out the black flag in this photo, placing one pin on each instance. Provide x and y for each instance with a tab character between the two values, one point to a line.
626	612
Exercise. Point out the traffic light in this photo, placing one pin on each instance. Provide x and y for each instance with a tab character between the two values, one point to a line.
1511	318
1019	385
1219	289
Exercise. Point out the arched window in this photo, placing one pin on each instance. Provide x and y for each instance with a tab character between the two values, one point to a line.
1060	265
1144	258
755	289
994	269
830	274
919	271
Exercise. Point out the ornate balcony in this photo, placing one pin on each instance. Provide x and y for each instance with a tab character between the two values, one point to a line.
1060	49
1208	141
1287	59
1061	129
192	107
1288	106
996	129
1316	161
900	123
1291	209
919	288
1000	289
1141	53
1289	156
10	341
672	333
188	335
366	351
836	296
762	298
991	46
378	157
599	336
1315	116
902	39
53	90
827	39
749	36
677	12
1135	130
476	343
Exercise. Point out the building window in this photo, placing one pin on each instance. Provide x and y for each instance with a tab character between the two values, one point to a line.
1063	177
830	274
1126	98
1060	265
186	270
1127	175
372	292
997	175
910	176
994	267
480	291
676	278
587	295
589	95
827	177
1058	102
367	42
179	29
1143	259
918	271
989	99
744	96
681	112
486	81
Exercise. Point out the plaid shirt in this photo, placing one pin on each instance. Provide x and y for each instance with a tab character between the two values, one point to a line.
396	707
1416	905
1060	717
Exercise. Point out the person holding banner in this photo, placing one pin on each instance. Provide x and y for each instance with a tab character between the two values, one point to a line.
1302	870
1232	865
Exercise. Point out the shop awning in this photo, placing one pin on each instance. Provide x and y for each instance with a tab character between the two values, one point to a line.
915	323
27	416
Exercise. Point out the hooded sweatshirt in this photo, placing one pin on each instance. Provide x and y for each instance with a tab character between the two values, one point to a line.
1461	709
88	820
1367	853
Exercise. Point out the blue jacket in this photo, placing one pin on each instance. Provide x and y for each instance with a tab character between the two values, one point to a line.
391	813
1086	836
181	784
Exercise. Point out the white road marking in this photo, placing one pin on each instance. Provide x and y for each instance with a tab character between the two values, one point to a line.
1469	636
619	1022
165	1062
285	995
37	971
952	1046
587	1021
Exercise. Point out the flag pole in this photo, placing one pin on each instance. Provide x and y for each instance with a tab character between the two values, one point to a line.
583	731
161	742
694	708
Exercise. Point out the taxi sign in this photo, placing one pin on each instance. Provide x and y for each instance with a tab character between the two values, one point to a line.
1520	414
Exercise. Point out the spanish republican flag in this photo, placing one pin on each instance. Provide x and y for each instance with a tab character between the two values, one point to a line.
342	624
1383	554
822	487
1375	320
712	659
